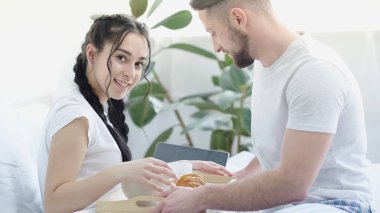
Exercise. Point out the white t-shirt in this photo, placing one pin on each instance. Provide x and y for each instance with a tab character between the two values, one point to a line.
310	88
102	151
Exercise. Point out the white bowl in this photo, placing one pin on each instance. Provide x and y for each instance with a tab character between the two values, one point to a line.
132	190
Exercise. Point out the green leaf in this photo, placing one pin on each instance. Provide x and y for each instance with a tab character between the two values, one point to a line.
143	108
171	107
194	49
141	111
234	79
154	7
142	89
155	103
221	140
210	120
201	95
216	80
228	60
226	63
240	77
176	21
164	136
242	120
227	83
245	147
226	98
247	120
221	65
138	7
201	104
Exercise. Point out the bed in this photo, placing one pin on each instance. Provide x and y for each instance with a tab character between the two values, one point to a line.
18	153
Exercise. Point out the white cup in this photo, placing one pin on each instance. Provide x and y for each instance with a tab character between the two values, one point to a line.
132	190
181	168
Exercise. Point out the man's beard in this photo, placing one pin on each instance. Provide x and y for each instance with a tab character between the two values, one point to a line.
241	57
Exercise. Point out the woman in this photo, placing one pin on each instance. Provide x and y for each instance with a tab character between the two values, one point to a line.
85	153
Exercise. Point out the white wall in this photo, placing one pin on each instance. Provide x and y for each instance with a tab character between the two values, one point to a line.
40	39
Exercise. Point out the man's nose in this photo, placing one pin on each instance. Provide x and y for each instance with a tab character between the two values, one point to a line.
217	47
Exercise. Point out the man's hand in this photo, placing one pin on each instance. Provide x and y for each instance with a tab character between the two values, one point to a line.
179	199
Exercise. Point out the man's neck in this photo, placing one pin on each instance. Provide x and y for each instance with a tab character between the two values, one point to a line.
273	41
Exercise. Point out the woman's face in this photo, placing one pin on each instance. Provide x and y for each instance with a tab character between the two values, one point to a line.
126	65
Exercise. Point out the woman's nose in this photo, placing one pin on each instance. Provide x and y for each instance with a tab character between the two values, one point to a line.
130	72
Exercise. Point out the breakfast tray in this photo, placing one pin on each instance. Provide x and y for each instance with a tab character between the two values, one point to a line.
144	204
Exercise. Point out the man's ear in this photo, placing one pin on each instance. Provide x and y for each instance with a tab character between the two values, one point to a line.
238	18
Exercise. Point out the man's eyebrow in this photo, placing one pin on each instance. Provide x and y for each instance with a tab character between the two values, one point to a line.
129	53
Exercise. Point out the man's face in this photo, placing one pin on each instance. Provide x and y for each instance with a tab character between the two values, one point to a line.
227	39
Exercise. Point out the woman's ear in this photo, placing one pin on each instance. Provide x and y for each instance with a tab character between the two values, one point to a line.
238	18
90	54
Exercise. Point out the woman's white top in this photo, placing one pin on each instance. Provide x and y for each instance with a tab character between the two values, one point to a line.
102	150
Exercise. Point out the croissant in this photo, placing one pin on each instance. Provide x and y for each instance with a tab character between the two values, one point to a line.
191	180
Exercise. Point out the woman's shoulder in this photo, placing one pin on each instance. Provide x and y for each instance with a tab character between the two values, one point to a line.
70	97
70	102
67	107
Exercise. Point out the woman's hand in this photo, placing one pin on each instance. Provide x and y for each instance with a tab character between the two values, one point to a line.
210	167
149	172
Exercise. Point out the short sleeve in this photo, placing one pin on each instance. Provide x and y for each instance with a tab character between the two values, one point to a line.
67	110
316	95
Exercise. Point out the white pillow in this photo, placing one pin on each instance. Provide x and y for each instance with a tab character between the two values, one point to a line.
374	174
32	119
18	171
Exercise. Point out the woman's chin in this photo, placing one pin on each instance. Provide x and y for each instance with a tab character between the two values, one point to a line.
118	96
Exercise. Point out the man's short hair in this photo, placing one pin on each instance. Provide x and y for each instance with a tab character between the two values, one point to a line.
204	4
217	5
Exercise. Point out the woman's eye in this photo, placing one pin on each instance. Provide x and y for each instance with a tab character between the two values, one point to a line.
139	65
121	58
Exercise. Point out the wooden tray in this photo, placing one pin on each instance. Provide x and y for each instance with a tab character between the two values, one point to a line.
210	178
144	204
139	204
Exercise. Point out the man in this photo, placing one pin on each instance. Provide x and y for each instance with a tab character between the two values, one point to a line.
308	126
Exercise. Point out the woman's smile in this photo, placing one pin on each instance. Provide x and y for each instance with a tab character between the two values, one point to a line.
121	83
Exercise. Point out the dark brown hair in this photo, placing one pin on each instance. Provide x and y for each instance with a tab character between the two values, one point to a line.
109	28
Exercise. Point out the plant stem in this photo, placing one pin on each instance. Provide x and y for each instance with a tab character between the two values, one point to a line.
243	91
176	112
241	102
231	135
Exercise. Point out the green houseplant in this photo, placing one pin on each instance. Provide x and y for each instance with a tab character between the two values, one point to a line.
224	112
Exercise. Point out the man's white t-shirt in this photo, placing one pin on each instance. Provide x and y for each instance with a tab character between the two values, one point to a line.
102	150
310	88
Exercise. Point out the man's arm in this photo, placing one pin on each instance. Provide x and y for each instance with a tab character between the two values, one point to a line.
251	169
301	159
